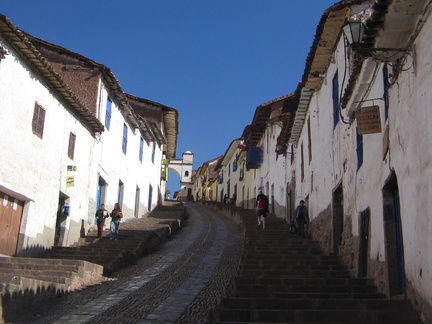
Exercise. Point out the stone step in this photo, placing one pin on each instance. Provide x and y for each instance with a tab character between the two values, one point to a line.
37	273
306	273
329	289
65	274
284	278
95	257
303	295
287	253
352	316
288	266
270	280
314	303
10	266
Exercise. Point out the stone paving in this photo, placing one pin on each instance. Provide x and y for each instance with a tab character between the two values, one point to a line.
179	282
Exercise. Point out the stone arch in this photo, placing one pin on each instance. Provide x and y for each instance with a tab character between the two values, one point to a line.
183	168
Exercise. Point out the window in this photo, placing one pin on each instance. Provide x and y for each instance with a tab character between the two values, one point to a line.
38	120
359	150
335	87
124	143
141	149
108	114
120	193
235	165
292	153
385	94
153	153
301	163
137	202
71	146
309	140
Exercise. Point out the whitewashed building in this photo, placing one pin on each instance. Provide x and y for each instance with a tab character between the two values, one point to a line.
90	143
229	173
46	131
353	143
272	174
362	155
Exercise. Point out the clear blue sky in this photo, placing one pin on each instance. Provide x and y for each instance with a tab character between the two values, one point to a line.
214	61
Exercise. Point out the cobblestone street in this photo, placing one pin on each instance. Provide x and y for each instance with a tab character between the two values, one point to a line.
179	282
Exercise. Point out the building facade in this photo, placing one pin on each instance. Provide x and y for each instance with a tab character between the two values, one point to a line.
73	140
352	142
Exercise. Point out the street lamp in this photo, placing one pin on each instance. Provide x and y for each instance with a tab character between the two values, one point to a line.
354	31
396	58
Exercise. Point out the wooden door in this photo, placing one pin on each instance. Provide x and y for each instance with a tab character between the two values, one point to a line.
10	220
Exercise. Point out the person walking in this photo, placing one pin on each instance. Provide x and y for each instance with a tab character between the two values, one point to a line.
116	216
101	216
262	208
301	217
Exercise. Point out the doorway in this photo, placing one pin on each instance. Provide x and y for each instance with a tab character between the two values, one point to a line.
62	215
394	237
364	243
338	220
11	210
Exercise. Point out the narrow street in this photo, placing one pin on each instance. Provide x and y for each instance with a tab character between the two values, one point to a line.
179	282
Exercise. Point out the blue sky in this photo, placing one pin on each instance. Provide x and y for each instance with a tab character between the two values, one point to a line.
214	61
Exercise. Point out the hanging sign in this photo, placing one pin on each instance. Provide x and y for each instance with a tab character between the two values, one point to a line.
70	181
368	120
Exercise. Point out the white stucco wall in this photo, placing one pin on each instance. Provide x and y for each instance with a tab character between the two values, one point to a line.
275	171
115	166
334	159
37	168
411	158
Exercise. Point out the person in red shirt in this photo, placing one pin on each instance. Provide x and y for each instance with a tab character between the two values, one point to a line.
262	209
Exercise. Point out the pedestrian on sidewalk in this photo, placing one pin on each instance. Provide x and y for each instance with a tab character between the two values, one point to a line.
262	208
301	217
101	216
116	216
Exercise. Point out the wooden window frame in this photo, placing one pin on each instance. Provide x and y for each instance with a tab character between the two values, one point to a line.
71	145
38	122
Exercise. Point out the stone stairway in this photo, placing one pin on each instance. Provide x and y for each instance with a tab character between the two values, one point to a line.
25	283
63	275
284	278
137	236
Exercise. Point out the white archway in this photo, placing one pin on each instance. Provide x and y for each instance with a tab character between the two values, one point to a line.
183	168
